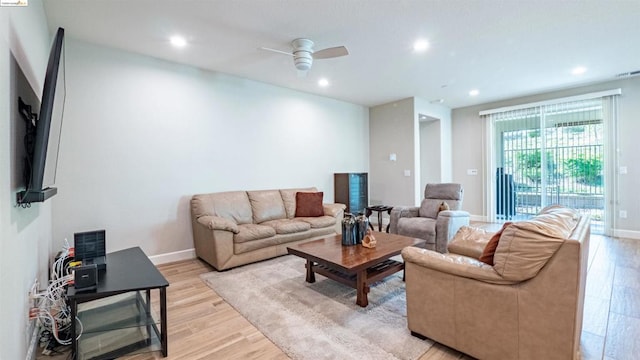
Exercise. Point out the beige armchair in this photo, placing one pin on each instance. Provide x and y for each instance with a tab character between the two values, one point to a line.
427	221
527	305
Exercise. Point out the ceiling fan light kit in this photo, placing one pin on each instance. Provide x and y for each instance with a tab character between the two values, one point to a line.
303	53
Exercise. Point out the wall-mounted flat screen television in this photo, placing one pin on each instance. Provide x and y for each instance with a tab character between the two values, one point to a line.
42	149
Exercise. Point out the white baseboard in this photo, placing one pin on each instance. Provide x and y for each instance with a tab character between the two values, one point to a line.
480	218
173	256
627	234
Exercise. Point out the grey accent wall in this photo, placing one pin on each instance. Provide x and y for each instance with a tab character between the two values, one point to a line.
469	149
425	152
430	154
392	130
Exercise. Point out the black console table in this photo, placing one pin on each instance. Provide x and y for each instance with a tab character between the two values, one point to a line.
117	317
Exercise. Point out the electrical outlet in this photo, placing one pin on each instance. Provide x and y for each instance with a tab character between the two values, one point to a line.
623	214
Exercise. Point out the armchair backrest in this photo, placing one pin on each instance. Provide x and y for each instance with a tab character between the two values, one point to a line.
435	194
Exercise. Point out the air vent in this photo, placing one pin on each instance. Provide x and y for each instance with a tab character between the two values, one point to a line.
628	74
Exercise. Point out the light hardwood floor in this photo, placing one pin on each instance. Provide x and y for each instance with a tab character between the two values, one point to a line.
203	326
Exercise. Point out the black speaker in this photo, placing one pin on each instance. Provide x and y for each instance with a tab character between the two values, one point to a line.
86	277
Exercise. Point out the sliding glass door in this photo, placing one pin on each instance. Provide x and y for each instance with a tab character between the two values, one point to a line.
550	154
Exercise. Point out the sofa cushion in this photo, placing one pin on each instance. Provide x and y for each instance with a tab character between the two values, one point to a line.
250	232
289	199
287	226
526	246
319	222
266	205
232	205
469	241
309	204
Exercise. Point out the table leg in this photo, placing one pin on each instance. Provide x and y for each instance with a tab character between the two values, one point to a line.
311	276
147	310
368	213
380	221
362	288
163	320
74	342
389	224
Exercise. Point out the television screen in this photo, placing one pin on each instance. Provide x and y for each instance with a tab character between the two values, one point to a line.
43	157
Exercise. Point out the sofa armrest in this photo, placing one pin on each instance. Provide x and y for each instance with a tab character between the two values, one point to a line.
218	223
333	209
399	212
453	264
448	223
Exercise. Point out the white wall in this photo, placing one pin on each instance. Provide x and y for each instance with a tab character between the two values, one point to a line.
25	234
141	136
469	149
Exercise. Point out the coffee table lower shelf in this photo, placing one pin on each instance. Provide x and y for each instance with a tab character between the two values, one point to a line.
359	280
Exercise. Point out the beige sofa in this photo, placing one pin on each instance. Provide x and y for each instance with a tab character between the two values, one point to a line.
239	227
528	305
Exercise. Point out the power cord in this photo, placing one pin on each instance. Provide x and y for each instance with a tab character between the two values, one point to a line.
51	310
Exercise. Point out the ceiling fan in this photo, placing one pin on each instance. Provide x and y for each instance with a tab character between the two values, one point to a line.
303	54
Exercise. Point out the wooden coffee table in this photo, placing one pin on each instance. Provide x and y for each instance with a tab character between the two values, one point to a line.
354	266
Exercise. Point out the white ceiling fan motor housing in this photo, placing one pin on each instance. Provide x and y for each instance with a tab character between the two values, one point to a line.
302	53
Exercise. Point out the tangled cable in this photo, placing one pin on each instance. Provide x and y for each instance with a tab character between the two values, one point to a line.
52	311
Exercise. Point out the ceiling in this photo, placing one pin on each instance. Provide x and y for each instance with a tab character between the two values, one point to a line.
504	49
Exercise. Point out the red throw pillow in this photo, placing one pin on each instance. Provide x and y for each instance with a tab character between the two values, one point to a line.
492	245
309	204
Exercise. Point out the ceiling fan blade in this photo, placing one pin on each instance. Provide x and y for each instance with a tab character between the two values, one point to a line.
331	52
276	51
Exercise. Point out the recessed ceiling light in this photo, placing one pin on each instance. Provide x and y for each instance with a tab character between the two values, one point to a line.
579	70
178	41
323	82
420	45
474	92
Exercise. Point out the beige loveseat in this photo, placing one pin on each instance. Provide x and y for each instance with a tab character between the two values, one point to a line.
528	305
239	227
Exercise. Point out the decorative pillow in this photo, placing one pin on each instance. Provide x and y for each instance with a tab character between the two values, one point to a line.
443	207
490	249
309	204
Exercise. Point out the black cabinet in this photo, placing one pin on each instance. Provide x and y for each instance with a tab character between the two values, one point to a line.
351	189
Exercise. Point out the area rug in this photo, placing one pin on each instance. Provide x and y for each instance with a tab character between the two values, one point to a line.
319	320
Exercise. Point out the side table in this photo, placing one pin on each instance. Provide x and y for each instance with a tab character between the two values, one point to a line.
120	307
379	209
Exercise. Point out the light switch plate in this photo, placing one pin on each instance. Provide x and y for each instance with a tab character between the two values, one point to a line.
407	173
